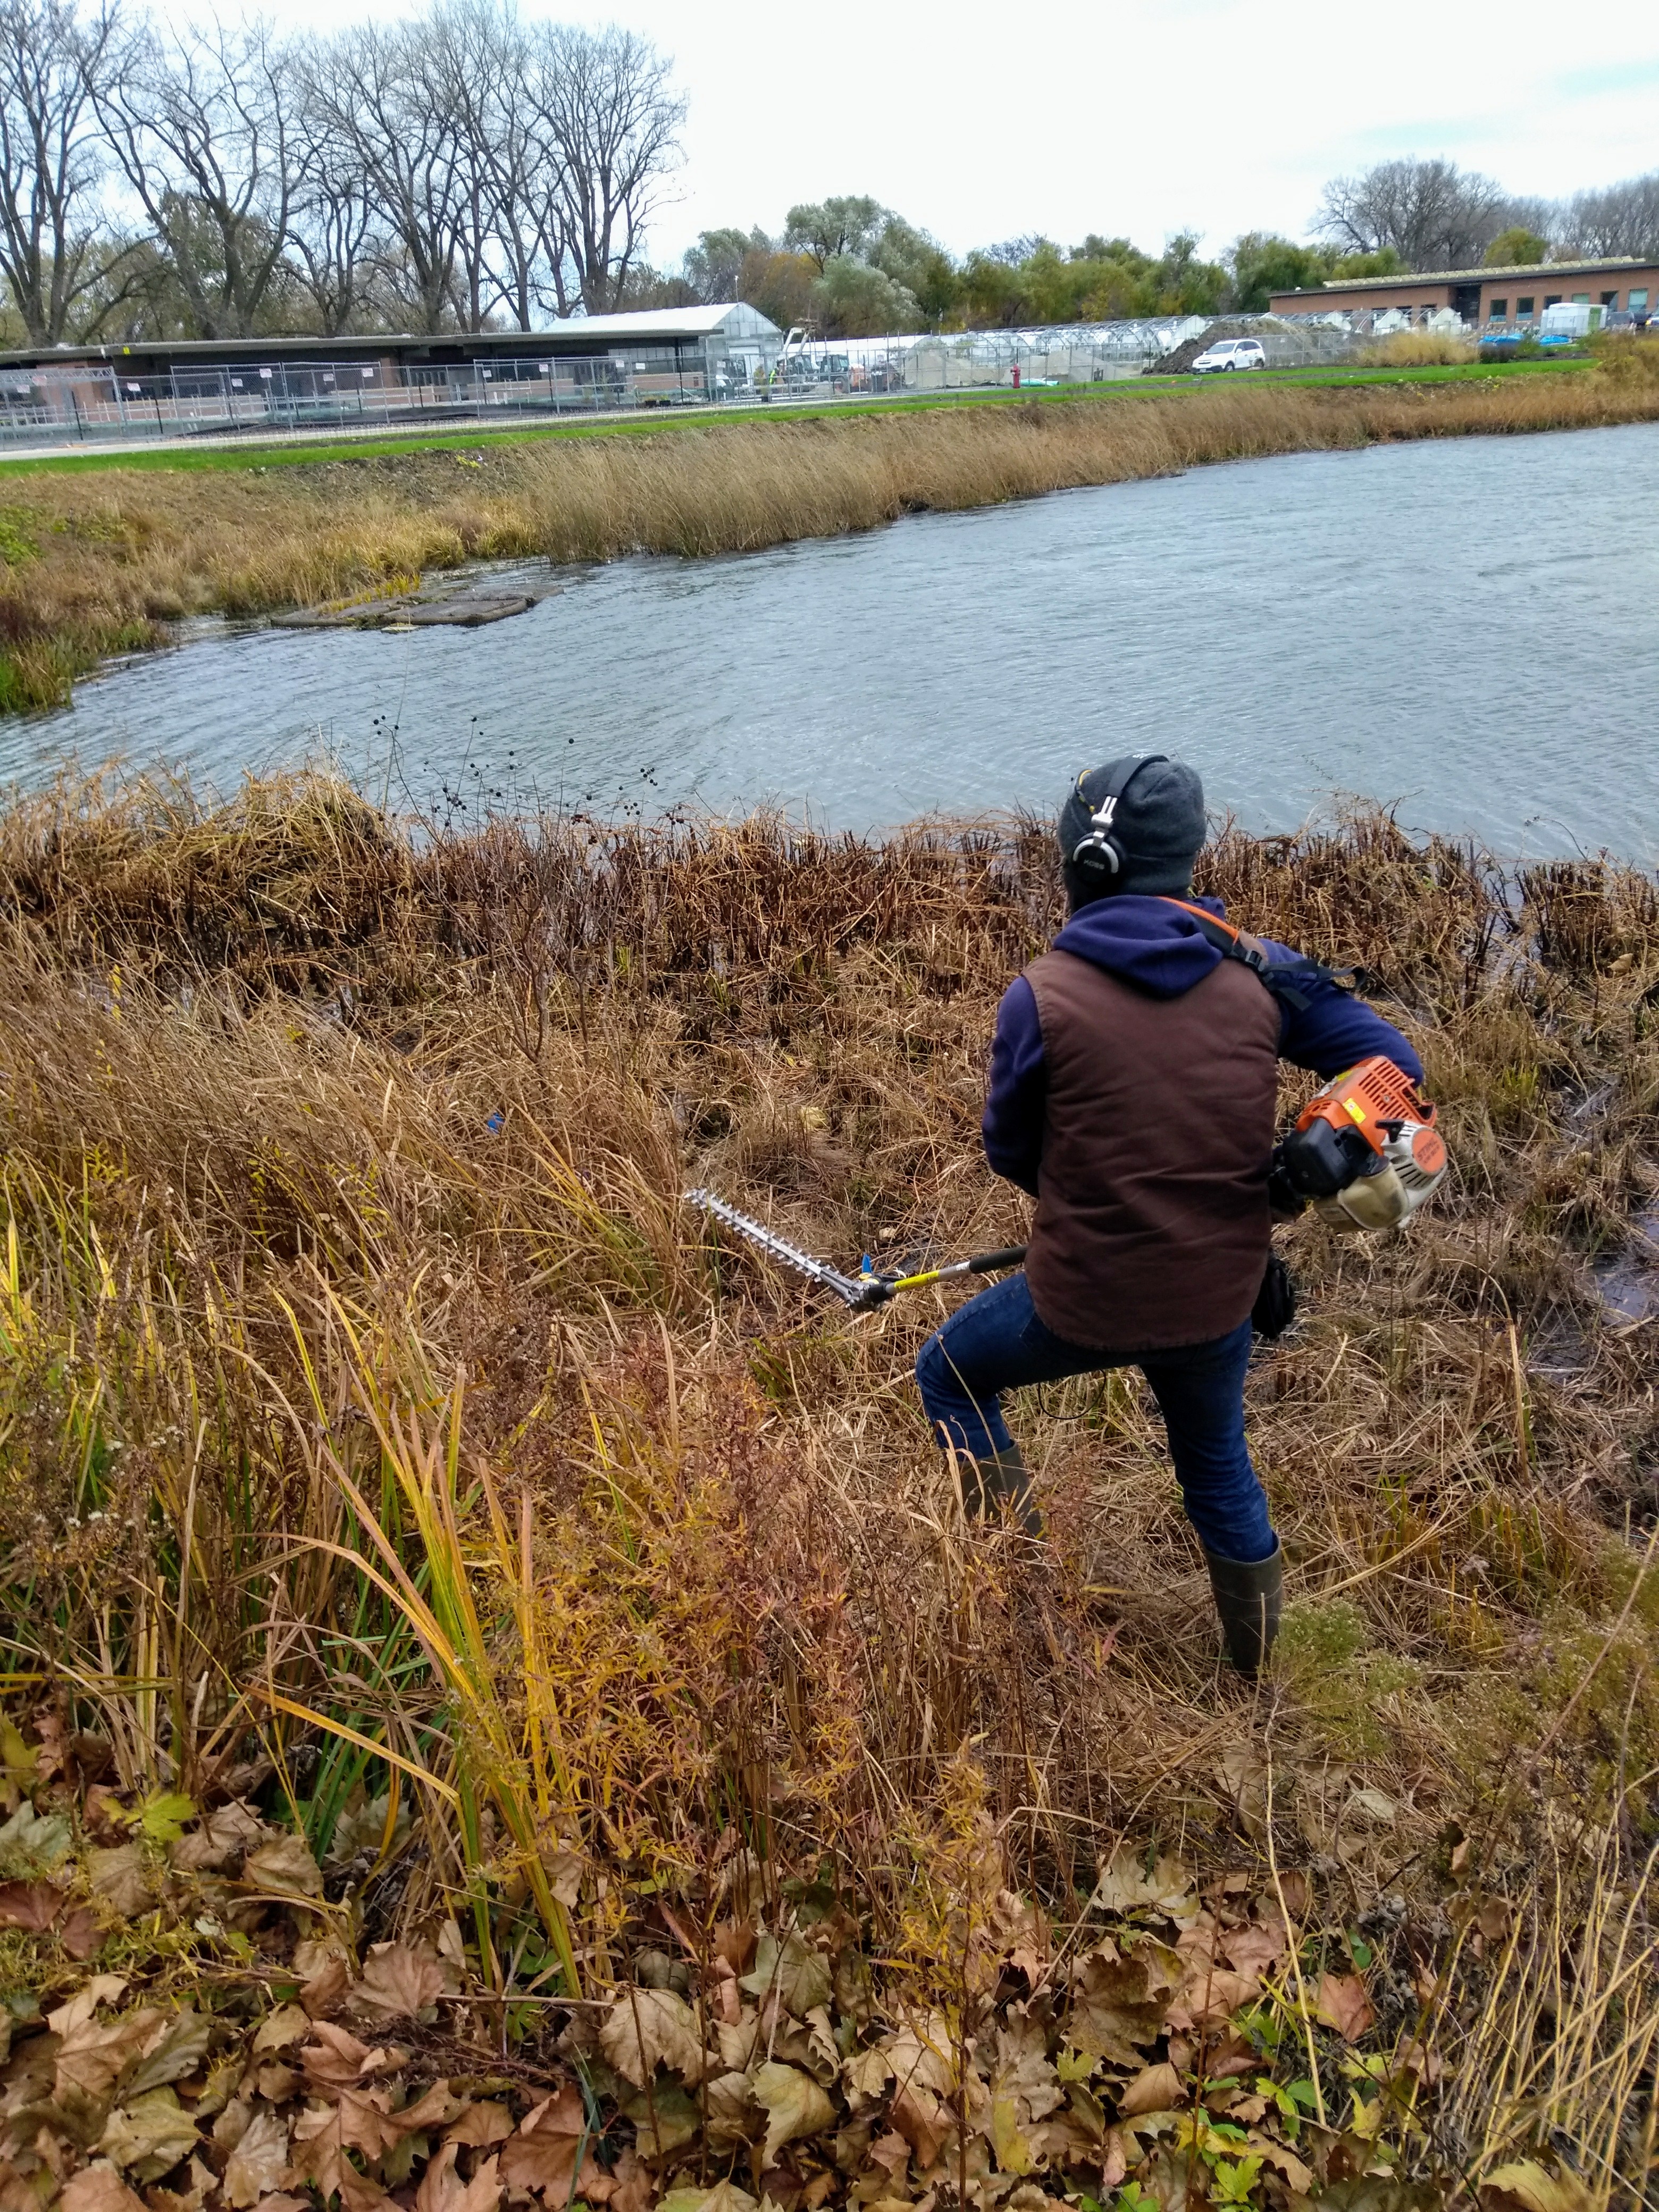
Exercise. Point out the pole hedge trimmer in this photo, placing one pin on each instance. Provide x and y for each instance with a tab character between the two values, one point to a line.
1365	1153
865	1292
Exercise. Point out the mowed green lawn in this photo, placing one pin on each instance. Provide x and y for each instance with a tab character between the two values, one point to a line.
647	422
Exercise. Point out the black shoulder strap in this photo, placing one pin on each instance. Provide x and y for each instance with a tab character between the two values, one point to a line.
1288	980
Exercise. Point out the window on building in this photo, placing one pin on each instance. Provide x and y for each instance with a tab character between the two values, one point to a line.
1581	298
1638	300
1524	306
1609	299
1498	312
1552	299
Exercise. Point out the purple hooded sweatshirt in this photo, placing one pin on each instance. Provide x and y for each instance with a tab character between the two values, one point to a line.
1154	944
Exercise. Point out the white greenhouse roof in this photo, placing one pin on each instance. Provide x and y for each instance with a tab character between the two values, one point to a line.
733	319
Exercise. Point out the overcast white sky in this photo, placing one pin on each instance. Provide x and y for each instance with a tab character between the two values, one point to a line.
982	121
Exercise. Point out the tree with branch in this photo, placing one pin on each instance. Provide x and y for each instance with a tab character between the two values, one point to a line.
53	258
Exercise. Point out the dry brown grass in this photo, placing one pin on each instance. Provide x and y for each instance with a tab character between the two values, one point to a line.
1421	350
324	1147
95	563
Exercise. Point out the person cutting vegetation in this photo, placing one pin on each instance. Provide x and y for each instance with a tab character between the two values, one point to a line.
1133	1093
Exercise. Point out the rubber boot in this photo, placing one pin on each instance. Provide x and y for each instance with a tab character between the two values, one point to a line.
1248	1595
989	1485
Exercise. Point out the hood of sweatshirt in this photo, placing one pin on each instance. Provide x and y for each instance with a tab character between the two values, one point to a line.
1144	941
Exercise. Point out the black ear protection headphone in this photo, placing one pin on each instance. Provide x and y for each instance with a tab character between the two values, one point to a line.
1102	853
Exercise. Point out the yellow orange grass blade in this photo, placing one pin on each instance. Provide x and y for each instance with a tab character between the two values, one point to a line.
447	1623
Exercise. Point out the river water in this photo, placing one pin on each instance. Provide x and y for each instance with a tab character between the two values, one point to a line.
1470	629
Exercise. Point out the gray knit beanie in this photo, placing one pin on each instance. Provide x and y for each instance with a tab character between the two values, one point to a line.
1158	824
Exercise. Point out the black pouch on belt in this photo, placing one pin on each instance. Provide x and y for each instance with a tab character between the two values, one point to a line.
1275	1302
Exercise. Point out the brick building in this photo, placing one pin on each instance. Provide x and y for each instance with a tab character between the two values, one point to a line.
1502	299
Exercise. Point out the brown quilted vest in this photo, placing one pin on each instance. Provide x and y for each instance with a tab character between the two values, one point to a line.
1151	1225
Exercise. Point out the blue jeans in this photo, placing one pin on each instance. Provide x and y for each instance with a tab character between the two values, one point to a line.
996	1342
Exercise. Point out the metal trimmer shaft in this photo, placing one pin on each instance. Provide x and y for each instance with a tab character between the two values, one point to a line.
861	1292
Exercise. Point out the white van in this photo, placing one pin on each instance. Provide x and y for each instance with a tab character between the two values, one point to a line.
1231	354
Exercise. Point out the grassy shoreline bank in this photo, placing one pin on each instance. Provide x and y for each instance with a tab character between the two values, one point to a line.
104	563
416	1534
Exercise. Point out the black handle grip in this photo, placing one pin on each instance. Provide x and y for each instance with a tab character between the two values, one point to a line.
987	1263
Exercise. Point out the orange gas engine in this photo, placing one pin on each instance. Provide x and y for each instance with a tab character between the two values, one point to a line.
1365	1150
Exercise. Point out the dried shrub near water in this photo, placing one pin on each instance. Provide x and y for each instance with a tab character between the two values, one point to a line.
418	1534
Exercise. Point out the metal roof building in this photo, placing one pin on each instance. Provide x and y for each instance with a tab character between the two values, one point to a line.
659	356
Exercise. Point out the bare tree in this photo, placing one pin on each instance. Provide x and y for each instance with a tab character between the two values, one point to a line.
52	258
478	58
1620	219
1434	214
610	119
204	134
389	111
332	223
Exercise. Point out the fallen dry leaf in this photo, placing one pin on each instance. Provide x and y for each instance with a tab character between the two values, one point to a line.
799	1975
1208	1995
149	2134
646	2026
1343	2004
336	2057
724	2196
30	1905
98	2188
632	2187
324	1991
81	1933
1525	2187
280	2030
920	2055
442	2189
179	2050
258	2165
318	2154
1241	1773
1370	1808
118	1876
1125	1887
1275	2154
220	1837
284	1868
1253	1949
864	2076
200	2183
795	2105
543	2154
663	2118
102	1989
922	2121
729	2110
1154	2089
92	2058
482	2124
1119	2000
399	1980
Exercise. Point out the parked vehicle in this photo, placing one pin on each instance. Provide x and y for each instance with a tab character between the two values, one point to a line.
1564	320
1229	354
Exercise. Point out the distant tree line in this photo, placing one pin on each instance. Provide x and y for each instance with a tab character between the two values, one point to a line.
851	267
464	170
458	170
